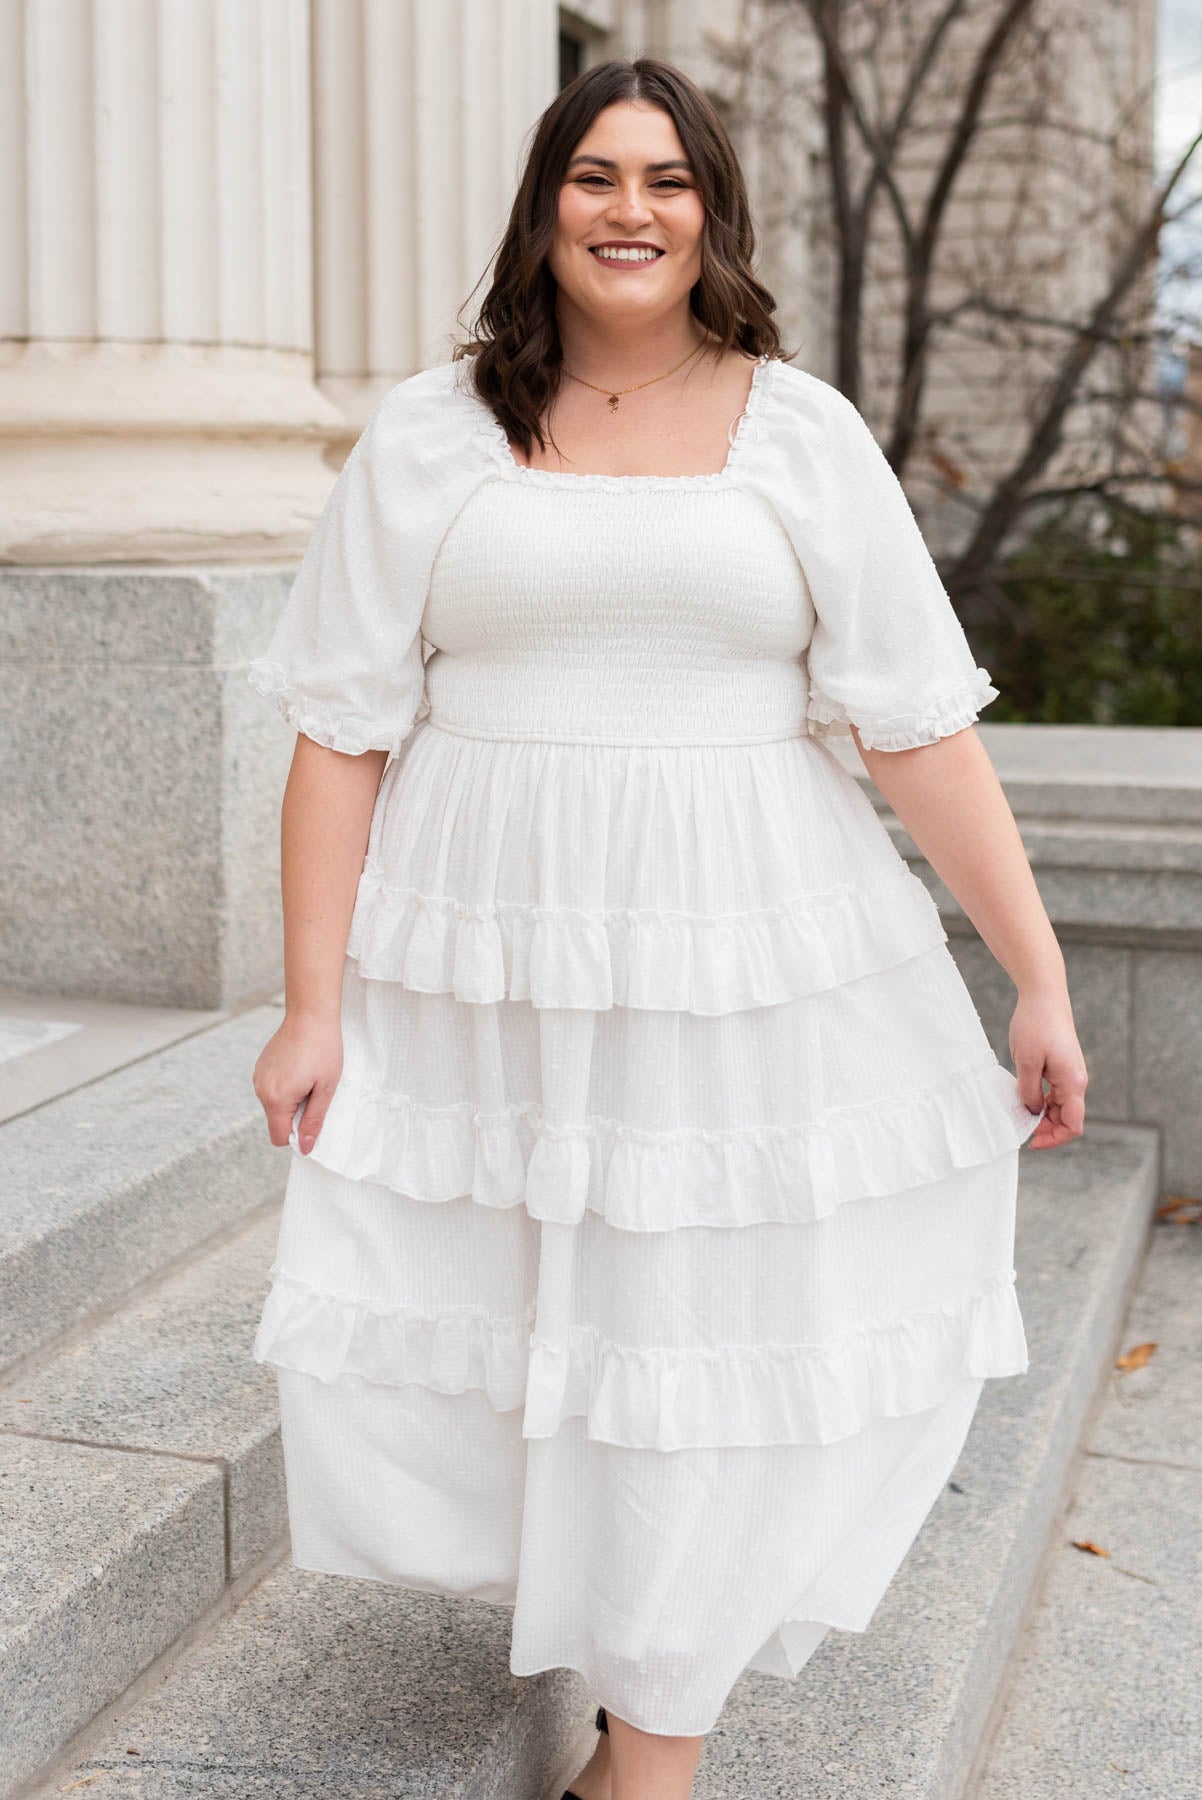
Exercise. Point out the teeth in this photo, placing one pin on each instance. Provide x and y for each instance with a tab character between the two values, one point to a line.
627	255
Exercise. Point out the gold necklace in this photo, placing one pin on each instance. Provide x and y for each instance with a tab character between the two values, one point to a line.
613	396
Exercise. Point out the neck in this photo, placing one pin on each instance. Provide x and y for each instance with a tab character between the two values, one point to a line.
618	355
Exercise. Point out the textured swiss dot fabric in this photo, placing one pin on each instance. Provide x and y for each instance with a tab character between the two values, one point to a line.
658	1240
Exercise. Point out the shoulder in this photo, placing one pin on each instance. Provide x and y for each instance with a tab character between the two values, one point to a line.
806	393
423	392
428	413
806	405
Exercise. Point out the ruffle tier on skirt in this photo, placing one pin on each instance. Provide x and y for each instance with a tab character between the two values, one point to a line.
659	1237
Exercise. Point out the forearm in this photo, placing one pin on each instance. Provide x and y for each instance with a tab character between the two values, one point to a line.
324	825
948	797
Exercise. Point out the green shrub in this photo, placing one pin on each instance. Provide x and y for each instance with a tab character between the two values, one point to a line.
1098	626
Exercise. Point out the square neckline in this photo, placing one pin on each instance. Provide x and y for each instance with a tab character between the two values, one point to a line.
513	470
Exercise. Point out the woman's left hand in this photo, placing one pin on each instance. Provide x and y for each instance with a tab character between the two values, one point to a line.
1043	1042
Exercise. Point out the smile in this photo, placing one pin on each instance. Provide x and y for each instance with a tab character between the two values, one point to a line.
647	253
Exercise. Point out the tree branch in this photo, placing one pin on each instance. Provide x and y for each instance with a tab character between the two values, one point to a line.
1046	432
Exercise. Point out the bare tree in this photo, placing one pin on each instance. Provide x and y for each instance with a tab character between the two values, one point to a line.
986	199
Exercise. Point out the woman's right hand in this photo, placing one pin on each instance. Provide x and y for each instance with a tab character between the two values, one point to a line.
302	1061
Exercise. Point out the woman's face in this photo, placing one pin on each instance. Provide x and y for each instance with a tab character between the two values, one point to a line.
614	193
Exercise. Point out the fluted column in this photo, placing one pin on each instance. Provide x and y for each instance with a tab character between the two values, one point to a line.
157	399
422	113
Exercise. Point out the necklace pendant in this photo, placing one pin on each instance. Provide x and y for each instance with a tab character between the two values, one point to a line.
613	403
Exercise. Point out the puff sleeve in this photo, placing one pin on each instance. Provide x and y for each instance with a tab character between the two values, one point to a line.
345	665
887	651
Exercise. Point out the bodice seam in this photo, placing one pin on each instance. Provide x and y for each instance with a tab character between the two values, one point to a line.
647	743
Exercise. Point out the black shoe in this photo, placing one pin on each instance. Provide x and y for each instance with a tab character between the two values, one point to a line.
602	1725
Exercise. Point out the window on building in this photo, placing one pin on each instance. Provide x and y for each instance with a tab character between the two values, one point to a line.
571	57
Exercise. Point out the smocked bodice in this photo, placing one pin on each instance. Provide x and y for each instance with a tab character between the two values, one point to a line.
788	593
611	612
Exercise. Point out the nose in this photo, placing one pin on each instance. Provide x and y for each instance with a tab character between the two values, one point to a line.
628	207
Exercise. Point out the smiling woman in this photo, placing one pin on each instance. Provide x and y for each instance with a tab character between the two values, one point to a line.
634	253
648	1238
628	246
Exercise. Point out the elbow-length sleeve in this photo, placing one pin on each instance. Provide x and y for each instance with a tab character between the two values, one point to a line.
887	652
345	664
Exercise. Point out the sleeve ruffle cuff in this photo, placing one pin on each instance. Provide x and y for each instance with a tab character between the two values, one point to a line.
902	731
331	726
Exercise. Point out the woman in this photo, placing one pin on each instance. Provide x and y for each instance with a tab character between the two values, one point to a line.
649	1233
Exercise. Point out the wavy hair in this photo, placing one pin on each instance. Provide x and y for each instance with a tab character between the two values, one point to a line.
518	357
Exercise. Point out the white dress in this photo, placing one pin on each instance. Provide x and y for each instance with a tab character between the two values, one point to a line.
657	1243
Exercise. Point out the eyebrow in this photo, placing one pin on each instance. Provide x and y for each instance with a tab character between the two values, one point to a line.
607	162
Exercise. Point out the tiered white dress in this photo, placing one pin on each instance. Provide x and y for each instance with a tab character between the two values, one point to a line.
647	1269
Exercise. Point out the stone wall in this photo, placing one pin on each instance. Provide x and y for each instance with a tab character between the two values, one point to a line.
1111	818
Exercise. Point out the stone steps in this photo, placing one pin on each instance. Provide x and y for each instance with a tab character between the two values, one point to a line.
315	1685
123	1177
1105	1702
152	1445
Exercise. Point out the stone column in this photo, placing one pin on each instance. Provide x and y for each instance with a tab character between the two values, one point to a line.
157	399
159	406
422	115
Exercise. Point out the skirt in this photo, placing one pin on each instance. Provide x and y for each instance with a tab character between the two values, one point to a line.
658	1240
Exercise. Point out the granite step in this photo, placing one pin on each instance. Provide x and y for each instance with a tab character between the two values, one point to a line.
109	1184
313	1685
51	1044
142	1475
319	1687
1105	1700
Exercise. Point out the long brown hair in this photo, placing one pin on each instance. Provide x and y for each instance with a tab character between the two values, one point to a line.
515	339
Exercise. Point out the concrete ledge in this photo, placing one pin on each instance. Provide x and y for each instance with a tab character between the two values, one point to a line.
105	1186
107	1557
319	1686
172	1374
1108	1703
1111	818
1137	773
1105	1701
70	1042
141	859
